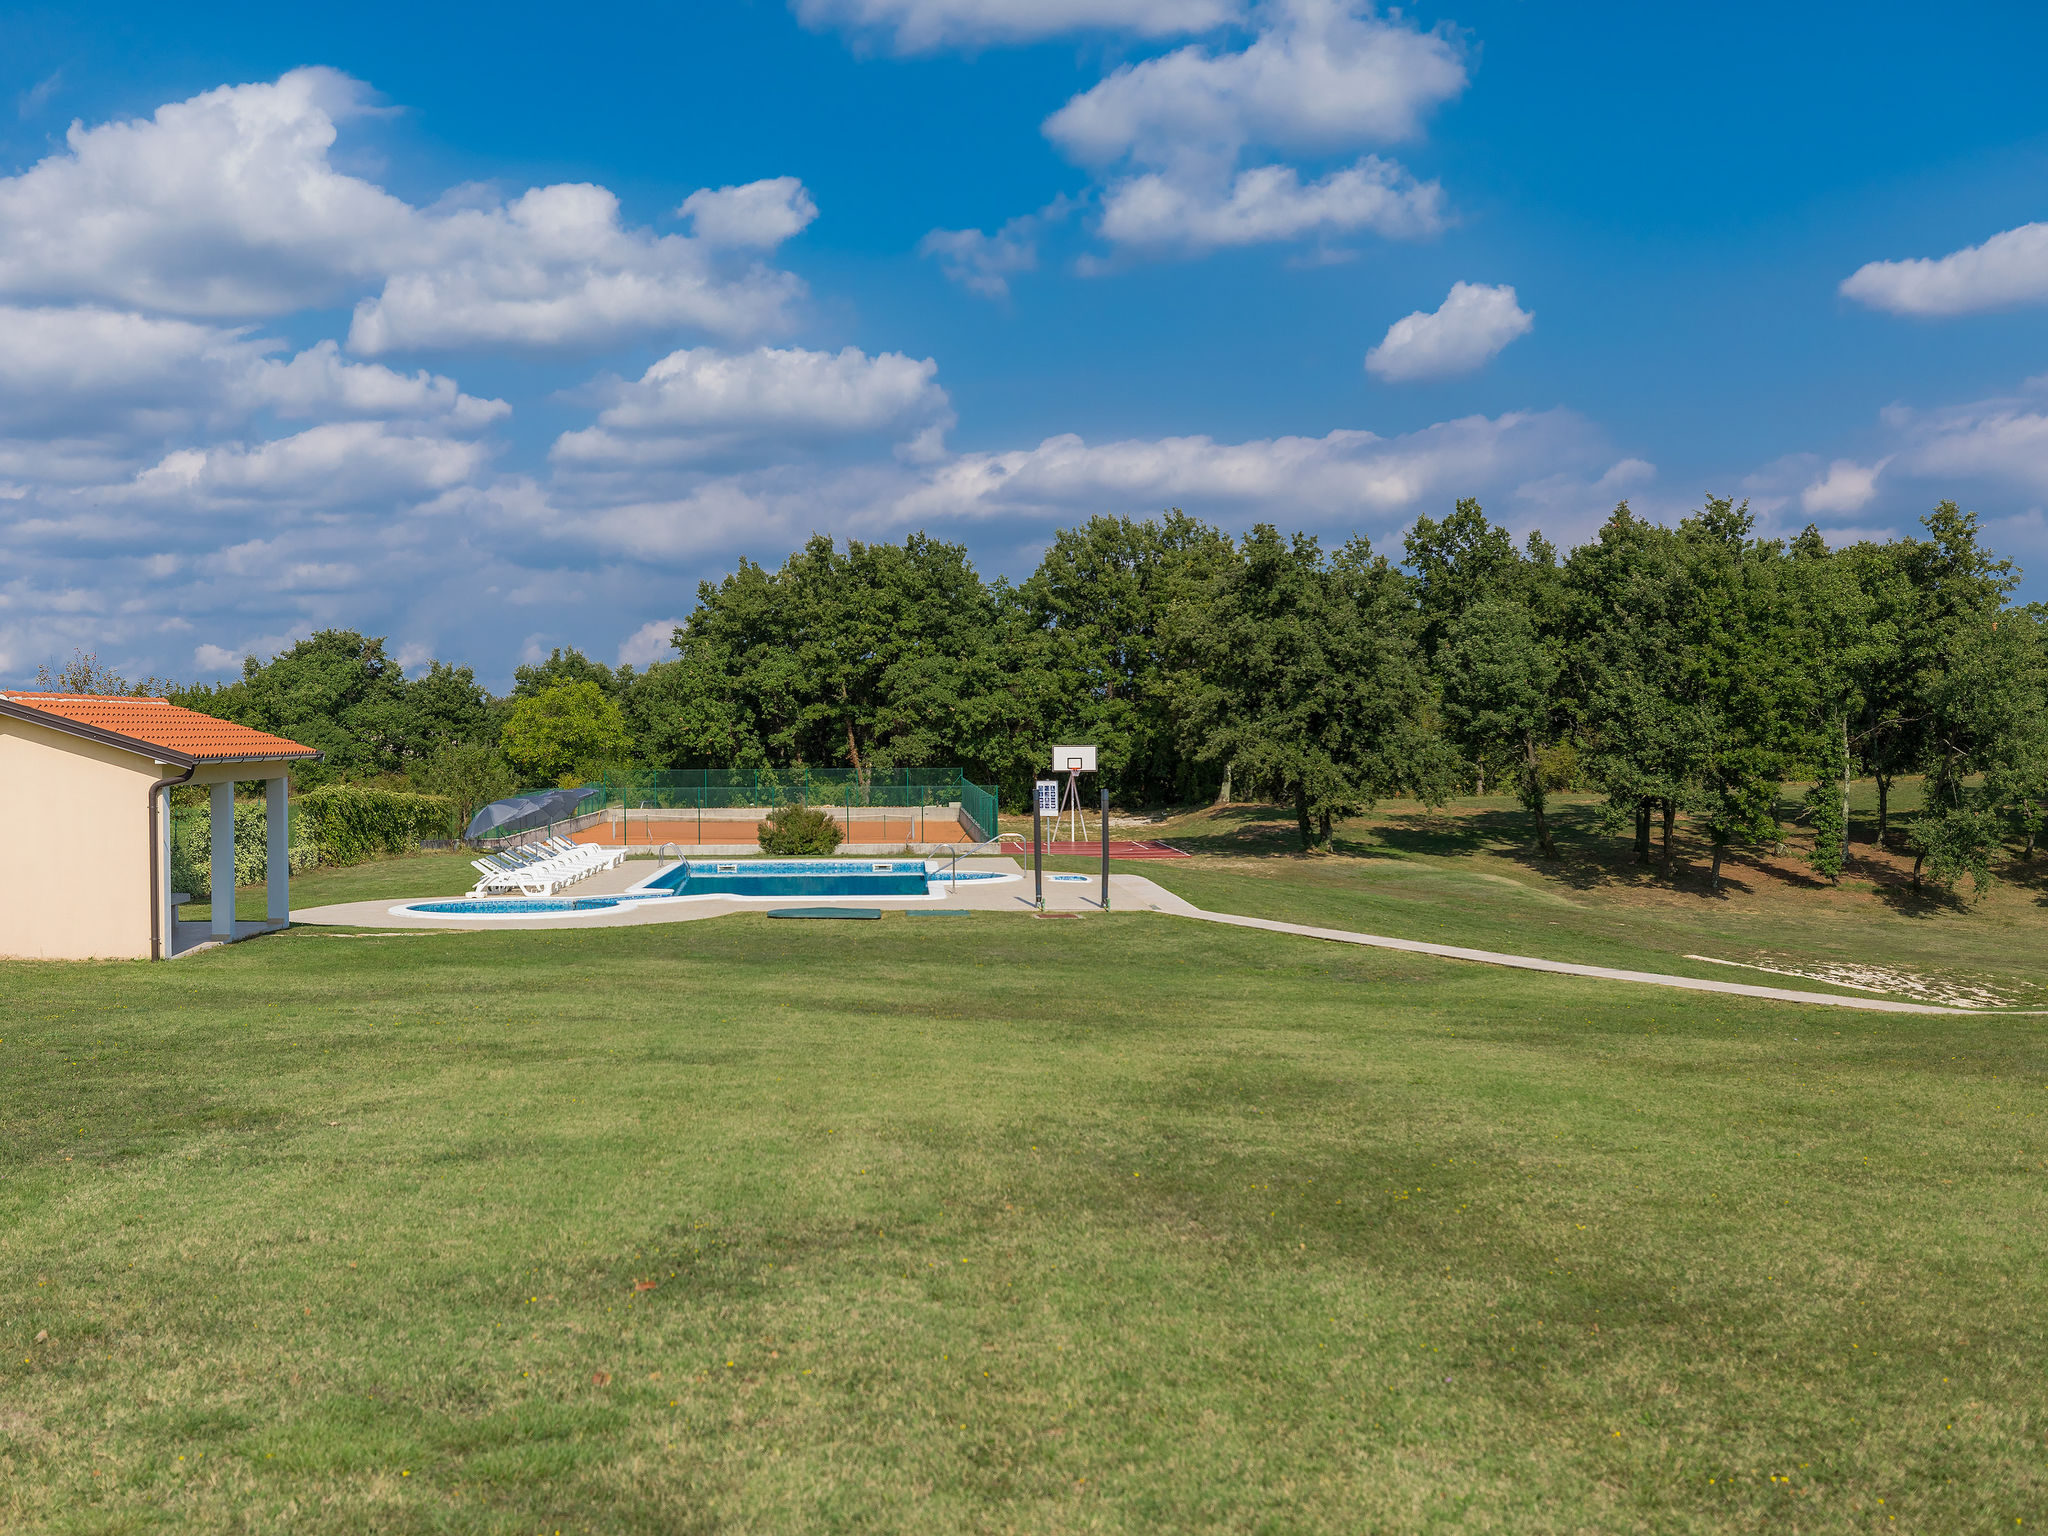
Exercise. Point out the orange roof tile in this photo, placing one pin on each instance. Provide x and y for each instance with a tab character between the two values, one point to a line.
182	735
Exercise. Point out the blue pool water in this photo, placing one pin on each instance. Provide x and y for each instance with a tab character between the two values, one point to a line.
514	906
793	877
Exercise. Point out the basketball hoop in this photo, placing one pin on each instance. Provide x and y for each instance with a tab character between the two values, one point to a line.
1073	762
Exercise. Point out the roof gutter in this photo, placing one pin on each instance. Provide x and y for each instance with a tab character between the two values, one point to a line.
157	936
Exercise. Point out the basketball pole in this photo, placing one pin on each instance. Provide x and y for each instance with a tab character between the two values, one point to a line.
1105	847
1037	851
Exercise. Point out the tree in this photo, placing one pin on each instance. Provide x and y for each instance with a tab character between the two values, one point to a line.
1102	595
564	665
1982	730
1306	675
860	656
1620	649
467	774
84	674
335	691
562	734
1500	696
1737	647
442	706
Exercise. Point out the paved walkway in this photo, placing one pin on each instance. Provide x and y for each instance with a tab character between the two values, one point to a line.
1596	972
1128	893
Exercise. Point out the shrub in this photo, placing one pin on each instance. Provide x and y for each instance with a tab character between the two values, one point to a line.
798	831
338	824
350	823
192	848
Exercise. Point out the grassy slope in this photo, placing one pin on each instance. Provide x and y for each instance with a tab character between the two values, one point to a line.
1468	875
979	1223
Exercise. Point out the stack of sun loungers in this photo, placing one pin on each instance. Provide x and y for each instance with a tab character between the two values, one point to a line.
541	869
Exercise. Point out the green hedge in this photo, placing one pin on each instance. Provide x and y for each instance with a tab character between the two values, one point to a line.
338	824
351	823
192	849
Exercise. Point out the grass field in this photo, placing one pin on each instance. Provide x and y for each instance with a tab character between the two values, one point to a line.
987	1224
1469	875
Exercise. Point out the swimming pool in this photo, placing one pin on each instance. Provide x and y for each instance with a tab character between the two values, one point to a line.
792	877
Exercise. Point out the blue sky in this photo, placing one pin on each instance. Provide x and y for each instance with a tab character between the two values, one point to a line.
489	330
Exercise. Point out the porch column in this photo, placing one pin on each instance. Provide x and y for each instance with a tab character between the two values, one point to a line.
277	850
223	813
167	915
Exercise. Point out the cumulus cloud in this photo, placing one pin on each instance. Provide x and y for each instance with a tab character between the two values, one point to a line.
1471	325
1270	202
1345	474
2008	269
227	206
1846	487
757	216
124	381
983	263
700	400
651	642
1326	75
918	26
337	464
1170	136
555	267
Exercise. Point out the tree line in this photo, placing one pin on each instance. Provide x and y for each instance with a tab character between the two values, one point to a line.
1688	674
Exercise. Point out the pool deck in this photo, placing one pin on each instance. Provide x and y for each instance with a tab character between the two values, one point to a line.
1127	893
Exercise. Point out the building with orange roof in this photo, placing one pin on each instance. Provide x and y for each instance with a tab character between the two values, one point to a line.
89	873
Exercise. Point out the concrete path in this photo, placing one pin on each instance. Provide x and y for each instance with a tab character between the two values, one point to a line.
1596	972
1128	893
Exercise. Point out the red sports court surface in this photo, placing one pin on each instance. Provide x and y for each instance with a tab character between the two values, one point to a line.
1117	850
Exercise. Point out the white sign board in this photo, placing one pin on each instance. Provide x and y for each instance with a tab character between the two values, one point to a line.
1048	797
1073	759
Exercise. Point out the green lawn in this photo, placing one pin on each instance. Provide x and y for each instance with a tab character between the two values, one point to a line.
1469	875
989	1224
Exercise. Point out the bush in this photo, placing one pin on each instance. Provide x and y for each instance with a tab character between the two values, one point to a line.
338	824
192	848
798	831
350	823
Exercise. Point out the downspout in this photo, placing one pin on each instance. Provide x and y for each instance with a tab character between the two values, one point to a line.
156	884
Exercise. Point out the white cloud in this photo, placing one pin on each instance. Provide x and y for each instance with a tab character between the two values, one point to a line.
335	465
651	642
1997	440
700	398
1170	136
1326	75
982	263
1846	487
227	206
757	216
1270	202
320	381
126	381
1345	474
1471	325
554	267
918	26
223	205
2009	268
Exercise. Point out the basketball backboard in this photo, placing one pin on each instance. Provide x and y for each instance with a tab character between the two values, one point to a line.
1073	759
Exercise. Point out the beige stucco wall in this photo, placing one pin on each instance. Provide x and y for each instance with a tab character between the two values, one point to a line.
74	866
